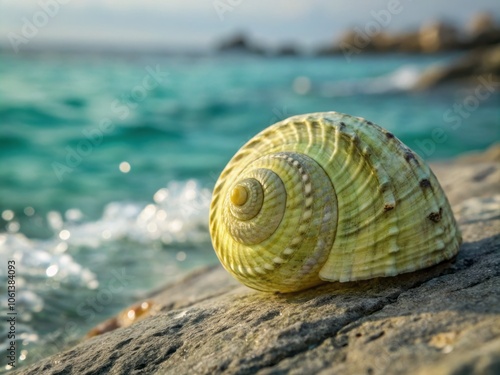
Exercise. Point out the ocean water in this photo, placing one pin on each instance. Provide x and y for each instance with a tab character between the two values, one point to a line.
107	163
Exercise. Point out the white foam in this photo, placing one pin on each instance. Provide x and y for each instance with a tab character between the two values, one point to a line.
179	214
401	79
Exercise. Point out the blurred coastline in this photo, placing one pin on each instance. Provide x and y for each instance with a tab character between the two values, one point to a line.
431	37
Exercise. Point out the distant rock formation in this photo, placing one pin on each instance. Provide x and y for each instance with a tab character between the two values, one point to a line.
481	62
437	36
240	43
287	50
482	31
432	37
481	23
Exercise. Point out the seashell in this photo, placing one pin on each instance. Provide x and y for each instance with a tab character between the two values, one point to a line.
328	197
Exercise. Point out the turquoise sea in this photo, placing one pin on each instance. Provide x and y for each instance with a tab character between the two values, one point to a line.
107	162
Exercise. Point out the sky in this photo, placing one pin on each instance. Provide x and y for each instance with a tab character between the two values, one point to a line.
190	24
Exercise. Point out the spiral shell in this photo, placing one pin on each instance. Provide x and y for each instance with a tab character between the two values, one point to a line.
328	197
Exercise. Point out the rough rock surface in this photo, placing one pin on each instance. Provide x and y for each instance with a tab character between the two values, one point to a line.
443	320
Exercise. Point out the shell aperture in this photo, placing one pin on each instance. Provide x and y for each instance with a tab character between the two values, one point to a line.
328	197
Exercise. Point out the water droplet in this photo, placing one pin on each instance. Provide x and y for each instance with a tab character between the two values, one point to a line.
152	227
13	227
61	247
131	314
29	211
301	85
55	220
106	234
64	234
8	215
124	167
52	270
73	214
160	195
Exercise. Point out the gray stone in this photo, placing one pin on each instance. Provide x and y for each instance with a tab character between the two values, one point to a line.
442	320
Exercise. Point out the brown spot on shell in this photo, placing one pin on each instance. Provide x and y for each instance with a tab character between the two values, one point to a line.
388	207
342	125
425	183
435	216
389	135
369	123
409	156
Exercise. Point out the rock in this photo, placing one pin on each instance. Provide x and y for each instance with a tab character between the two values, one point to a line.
482	31
481	23
481	360
287	50
481	171
442	320
407	43
356	41
438	36
481	62
240	43
486	38
432	37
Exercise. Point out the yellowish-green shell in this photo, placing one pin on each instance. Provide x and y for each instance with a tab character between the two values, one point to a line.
328	197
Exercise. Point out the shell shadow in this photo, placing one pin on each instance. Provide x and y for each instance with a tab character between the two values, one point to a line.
475	263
